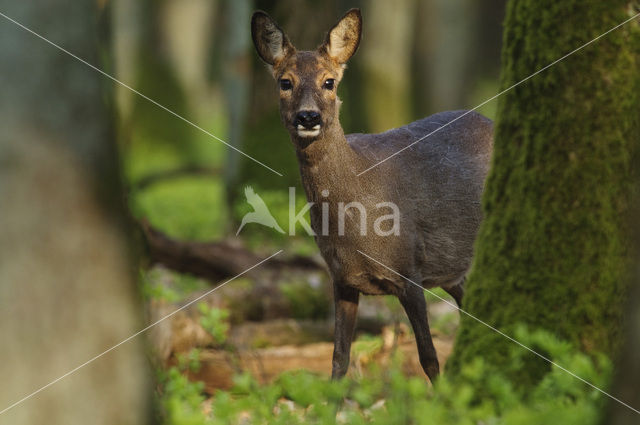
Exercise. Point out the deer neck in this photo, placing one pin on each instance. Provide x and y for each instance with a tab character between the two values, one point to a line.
327	164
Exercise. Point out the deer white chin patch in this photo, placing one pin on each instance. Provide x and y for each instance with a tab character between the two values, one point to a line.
303	132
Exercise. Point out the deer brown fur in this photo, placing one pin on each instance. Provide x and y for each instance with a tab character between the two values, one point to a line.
436	183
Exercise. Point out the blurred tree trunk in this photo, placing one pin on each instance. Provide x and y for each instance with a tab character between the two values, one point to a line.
236	79
444	44
126	46
625	385
553	249
487	42
66	287
188	29
155	76
627	367
385	62
456	51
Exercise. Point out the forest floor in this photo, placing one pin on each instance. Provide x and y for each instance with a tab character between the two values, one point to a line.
218	366
268	347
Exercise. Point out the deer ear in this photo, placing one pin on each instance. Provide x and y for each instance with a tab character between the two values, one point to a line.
343	39
271	42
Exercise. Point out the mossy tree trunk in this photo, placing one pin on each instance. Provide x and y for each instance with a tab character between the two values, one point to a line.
552	251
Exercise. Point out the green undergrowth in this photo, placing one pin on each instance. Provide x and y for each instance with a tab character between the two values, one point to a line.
388	396
192	206
215	322
183	205
170	286
257	236
306	301
186	208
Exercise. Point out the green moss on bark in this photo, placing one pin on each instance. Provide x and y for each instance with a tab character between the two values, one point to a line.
552	250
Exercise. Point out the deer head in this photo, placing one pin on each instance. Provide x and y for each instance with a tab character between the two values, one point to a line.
307	80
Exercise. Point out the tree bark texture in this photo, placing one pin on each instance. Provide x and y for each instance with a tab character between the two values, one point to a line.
66	287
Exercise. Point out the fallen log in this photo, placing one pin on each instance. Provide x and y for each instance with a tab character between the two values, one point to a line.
217	367
215	261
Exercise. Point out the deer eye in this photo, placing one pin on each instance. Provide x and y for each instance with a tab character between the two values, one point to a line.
329	84
285	84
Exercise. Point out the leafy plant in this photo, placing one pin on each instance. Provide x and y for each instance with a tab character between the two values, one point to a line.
167	285
478	395
153	290
181	399
190	361
215	321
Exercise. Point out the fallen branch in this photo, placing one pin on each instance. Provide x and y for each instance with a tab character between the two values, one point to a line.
214	261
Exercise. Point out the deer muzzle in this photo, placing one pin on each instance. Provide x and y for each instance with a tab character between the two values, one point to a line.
308	123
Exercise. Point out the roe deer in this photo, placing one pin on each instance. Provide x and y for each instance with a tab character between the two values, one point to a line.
436	184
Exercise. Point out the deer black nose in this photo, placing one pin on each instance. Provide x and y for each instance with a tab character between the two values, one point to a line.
307	119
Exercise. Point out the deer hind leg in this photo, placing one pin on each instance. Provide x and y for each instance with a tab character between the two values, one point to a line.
346	305
457	292
416	308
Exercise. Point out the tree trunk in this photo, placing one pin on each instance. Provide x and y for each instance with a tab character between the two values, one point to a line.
236	78
66	287
552	251
156	77
625	385
385	59
125	48
444	60
627	367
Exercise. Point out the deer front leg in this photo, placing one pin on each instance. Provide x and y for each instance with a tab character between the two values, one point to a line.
416	308
346	305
